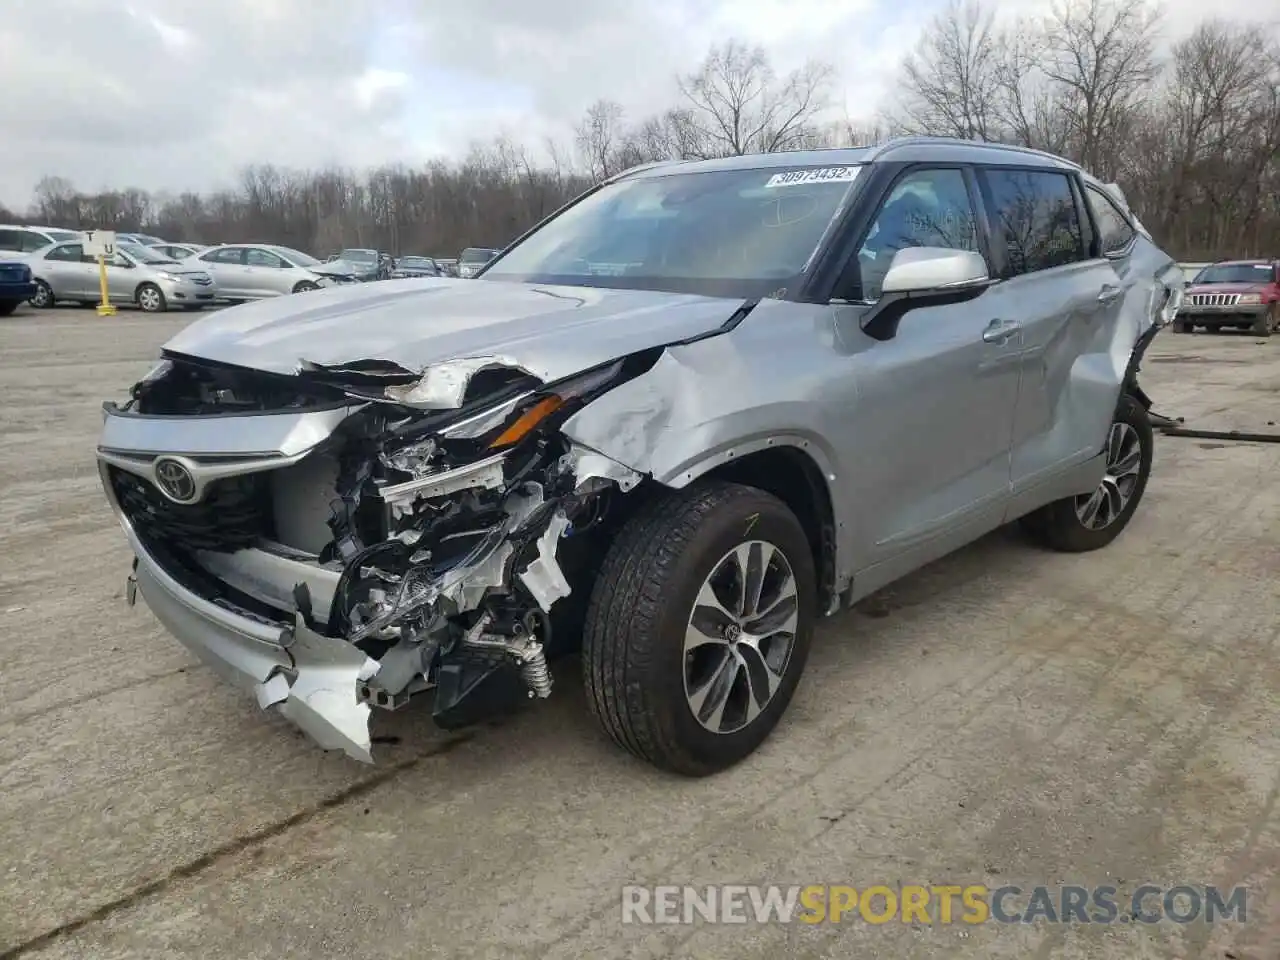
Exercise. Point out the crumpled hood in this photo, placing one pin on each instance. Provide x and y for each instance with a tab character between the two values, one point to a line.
551	331
338	268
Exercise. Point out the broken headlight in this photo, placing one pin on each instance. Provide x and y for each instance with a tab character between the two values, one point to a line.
506	424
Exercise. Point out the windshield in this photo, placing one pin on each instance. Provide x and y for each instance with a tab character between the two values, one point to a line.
143	254
359	256
733	233
299	258
1235	273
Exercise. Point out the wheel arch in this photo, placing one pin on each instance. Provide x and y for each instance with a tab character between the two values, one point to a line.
788	471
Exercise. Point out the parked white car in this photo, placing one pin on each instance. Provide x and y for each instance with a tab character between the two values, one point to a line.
260	270
136	274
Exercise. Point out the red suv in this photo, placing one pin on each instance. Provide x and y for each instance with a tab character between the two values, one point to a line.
1233	293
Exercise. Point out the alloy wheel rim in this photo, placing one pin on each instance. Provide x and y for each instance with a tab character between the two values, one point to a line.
739	636
149	299
1100	509
42	296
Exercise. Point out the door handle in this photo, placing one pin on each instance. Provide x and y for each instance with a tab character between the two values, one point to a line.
999	331
1109	293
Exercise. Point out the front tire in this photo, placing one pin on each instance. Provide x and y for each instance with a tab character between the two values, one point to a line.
1268	322
305	286
678	670
1092	520
151	299
1182	326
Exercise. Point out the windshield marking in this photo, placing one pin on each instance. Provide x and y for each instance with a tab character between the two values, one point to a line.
825	175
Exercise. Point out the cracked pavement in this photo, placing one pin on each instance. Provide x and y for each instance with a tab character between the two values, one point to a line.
1005	716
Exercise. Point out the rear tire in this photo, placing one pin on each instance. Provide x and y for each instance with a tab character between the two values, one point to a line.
1182	326
651	688
43	298
1092	520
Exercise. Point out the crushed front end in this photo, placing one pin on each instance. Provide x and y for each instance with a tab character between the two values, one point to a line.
347	538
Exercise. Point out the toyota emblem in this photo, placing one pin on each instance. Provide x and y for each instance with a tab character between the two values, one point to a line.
175	481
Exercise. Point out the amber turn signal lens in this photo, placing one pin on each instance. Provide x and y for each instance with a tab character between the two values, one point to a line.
527	421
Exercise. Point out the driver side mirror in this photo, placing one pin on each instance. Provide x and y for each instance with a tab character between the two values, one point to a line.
921	269
924	277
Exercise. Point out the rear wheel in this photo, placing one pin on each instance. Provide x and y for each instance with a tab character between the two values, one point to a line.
699	627
304	286
1183	326
1092	520
43	297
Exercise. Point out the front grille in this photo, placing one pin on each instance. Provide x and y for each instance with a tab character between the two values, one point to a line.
232	515
1214	299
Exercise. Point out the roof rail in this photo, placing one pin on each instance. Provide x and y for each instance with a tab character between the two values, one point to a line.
892	144
640	168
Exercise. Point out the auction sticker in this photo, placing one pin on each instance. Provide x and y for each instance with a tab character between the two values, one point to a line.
794	178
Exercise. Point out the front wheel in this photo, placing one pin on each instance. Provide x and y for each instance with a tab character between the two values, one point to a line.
150	299
1267	322
1092	520
699	626
1182	326
304	286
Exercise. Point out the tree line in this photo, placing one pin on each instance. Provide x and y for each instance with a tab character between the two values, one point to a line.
1190	130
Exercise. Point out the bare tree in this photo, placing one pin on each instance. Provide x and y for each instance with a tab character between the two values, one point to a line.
950	85
738	105
1100	53
599	137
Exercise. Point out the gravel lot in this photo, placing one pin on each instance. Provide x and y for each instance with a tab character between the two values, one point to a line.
1005	716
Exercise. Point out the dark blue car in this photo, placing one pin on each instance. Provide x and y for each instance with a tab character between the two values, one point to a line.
15	285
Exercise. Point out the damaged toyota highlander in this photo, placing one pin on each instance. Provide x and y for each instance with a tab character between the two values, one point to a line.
667	429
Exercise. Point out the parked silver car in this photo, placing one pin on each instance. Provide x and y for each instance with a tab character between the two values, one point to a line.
179	251
136	274
472	260
407	267
28	239
260	270
675	423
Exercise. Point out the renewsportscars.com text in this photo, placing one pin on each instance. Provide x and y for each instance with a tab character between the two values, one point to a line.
932	904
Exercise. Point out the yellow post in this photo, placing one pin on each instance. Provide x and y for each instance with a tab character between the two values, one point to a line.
105	309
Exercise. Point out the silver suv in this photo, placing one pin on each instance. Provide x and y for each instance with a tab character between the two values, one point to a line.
671	426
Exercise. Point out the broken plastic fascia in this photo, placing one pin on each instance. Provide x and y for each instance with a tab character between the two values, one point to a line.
321	699
444	385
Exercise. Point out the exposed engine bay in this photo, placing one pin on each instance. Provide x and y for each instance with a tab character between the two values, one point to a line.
424	542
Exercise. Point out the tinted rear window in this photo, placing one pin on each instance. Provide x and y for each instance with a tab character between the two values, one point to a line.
1035	219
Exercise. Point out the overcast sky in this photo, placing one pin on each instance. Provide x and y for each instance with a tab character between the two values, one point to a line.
179	94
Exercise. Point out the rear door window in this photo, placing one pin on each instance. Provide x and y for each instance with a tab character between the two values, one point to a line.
1034	219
